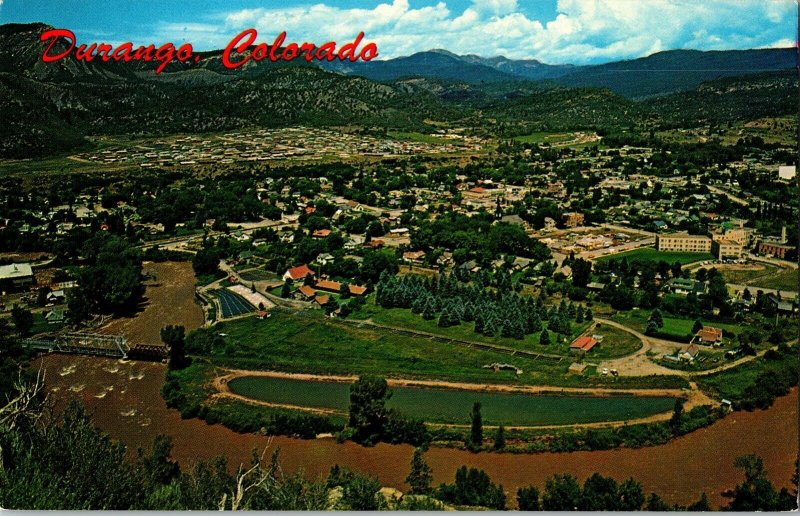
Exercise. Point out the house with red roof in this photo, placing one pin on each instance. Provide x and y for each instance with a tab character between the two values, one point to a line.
306	292
298	273
583	344
709	335
336	287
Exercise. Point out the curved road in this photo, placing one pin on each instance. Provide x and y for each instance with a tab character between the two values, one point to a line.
639	363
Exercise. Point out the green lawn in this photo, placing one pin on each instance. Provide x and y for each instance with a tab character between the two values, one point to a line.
650	254
259	275
207	279
675	328
768	277
616	343
454	406
405	318
732	383
309	342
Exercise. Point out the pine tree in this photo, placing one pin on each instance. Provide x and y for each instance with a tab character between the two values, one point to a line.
517	329
677	416
469	312
420	476
480	323
444	318
500	438
656	317
534	323
428	313
505	328
589	315
418	305
490	328
571	311
554	324
544	338
579	315
476	430
455	318
566	326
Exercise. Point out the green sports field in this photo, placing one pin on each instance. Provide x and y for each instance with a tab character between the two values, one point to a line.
650	254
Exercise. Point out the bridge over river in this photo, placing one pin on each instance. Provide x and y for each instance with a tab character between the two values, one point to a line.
115	346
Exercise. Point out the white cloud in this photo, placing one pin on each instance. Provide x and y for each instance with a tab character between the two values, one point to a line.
781	43
583	30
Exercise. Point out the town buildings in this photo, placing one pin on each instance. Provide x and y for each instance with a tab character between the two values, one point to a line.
683	242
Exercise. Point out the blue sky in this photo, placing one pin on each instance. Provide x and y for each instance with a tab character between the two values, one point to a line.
552	31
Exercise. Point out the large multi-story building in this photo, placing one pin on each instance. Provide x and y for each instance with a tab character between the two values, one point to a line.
683	242
739	235
776	249
724	249
777	246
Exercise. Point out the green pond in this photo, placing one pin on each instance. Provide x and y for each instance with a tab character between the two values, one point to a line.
453	406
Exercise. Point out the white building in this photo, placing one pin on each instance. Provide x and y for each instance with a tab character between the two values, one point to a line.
787	171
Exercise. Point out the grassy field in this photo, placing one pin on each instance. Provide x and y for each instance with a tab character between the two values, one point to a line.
766	277
452	406
732	383
676	329
59	165
650	254
616	343
544	137
259	275
405	318
309	342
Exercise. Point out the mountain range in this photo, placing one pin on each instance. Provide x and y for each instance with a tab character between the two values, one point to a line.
656	74
51	107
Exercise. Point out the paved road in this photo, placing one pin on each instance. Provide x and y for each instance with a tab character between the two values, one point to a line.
773	261
625	229
720	191
179	243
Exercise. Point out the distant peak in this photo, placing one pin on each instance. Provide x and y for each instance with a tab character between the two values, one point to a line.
442	51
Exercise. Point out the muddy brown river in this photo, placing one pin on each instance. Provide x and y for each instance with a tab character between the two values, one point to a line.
124	401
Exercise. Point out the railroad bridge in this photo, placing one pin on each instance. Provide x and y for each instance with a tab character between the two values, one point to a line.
97	344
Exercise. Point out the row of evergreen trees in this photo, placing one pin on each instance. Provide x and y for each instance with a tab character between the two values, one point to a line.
493	312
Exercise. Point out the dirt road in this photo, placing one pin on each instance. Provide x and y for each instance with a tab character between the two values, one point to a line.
693	396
